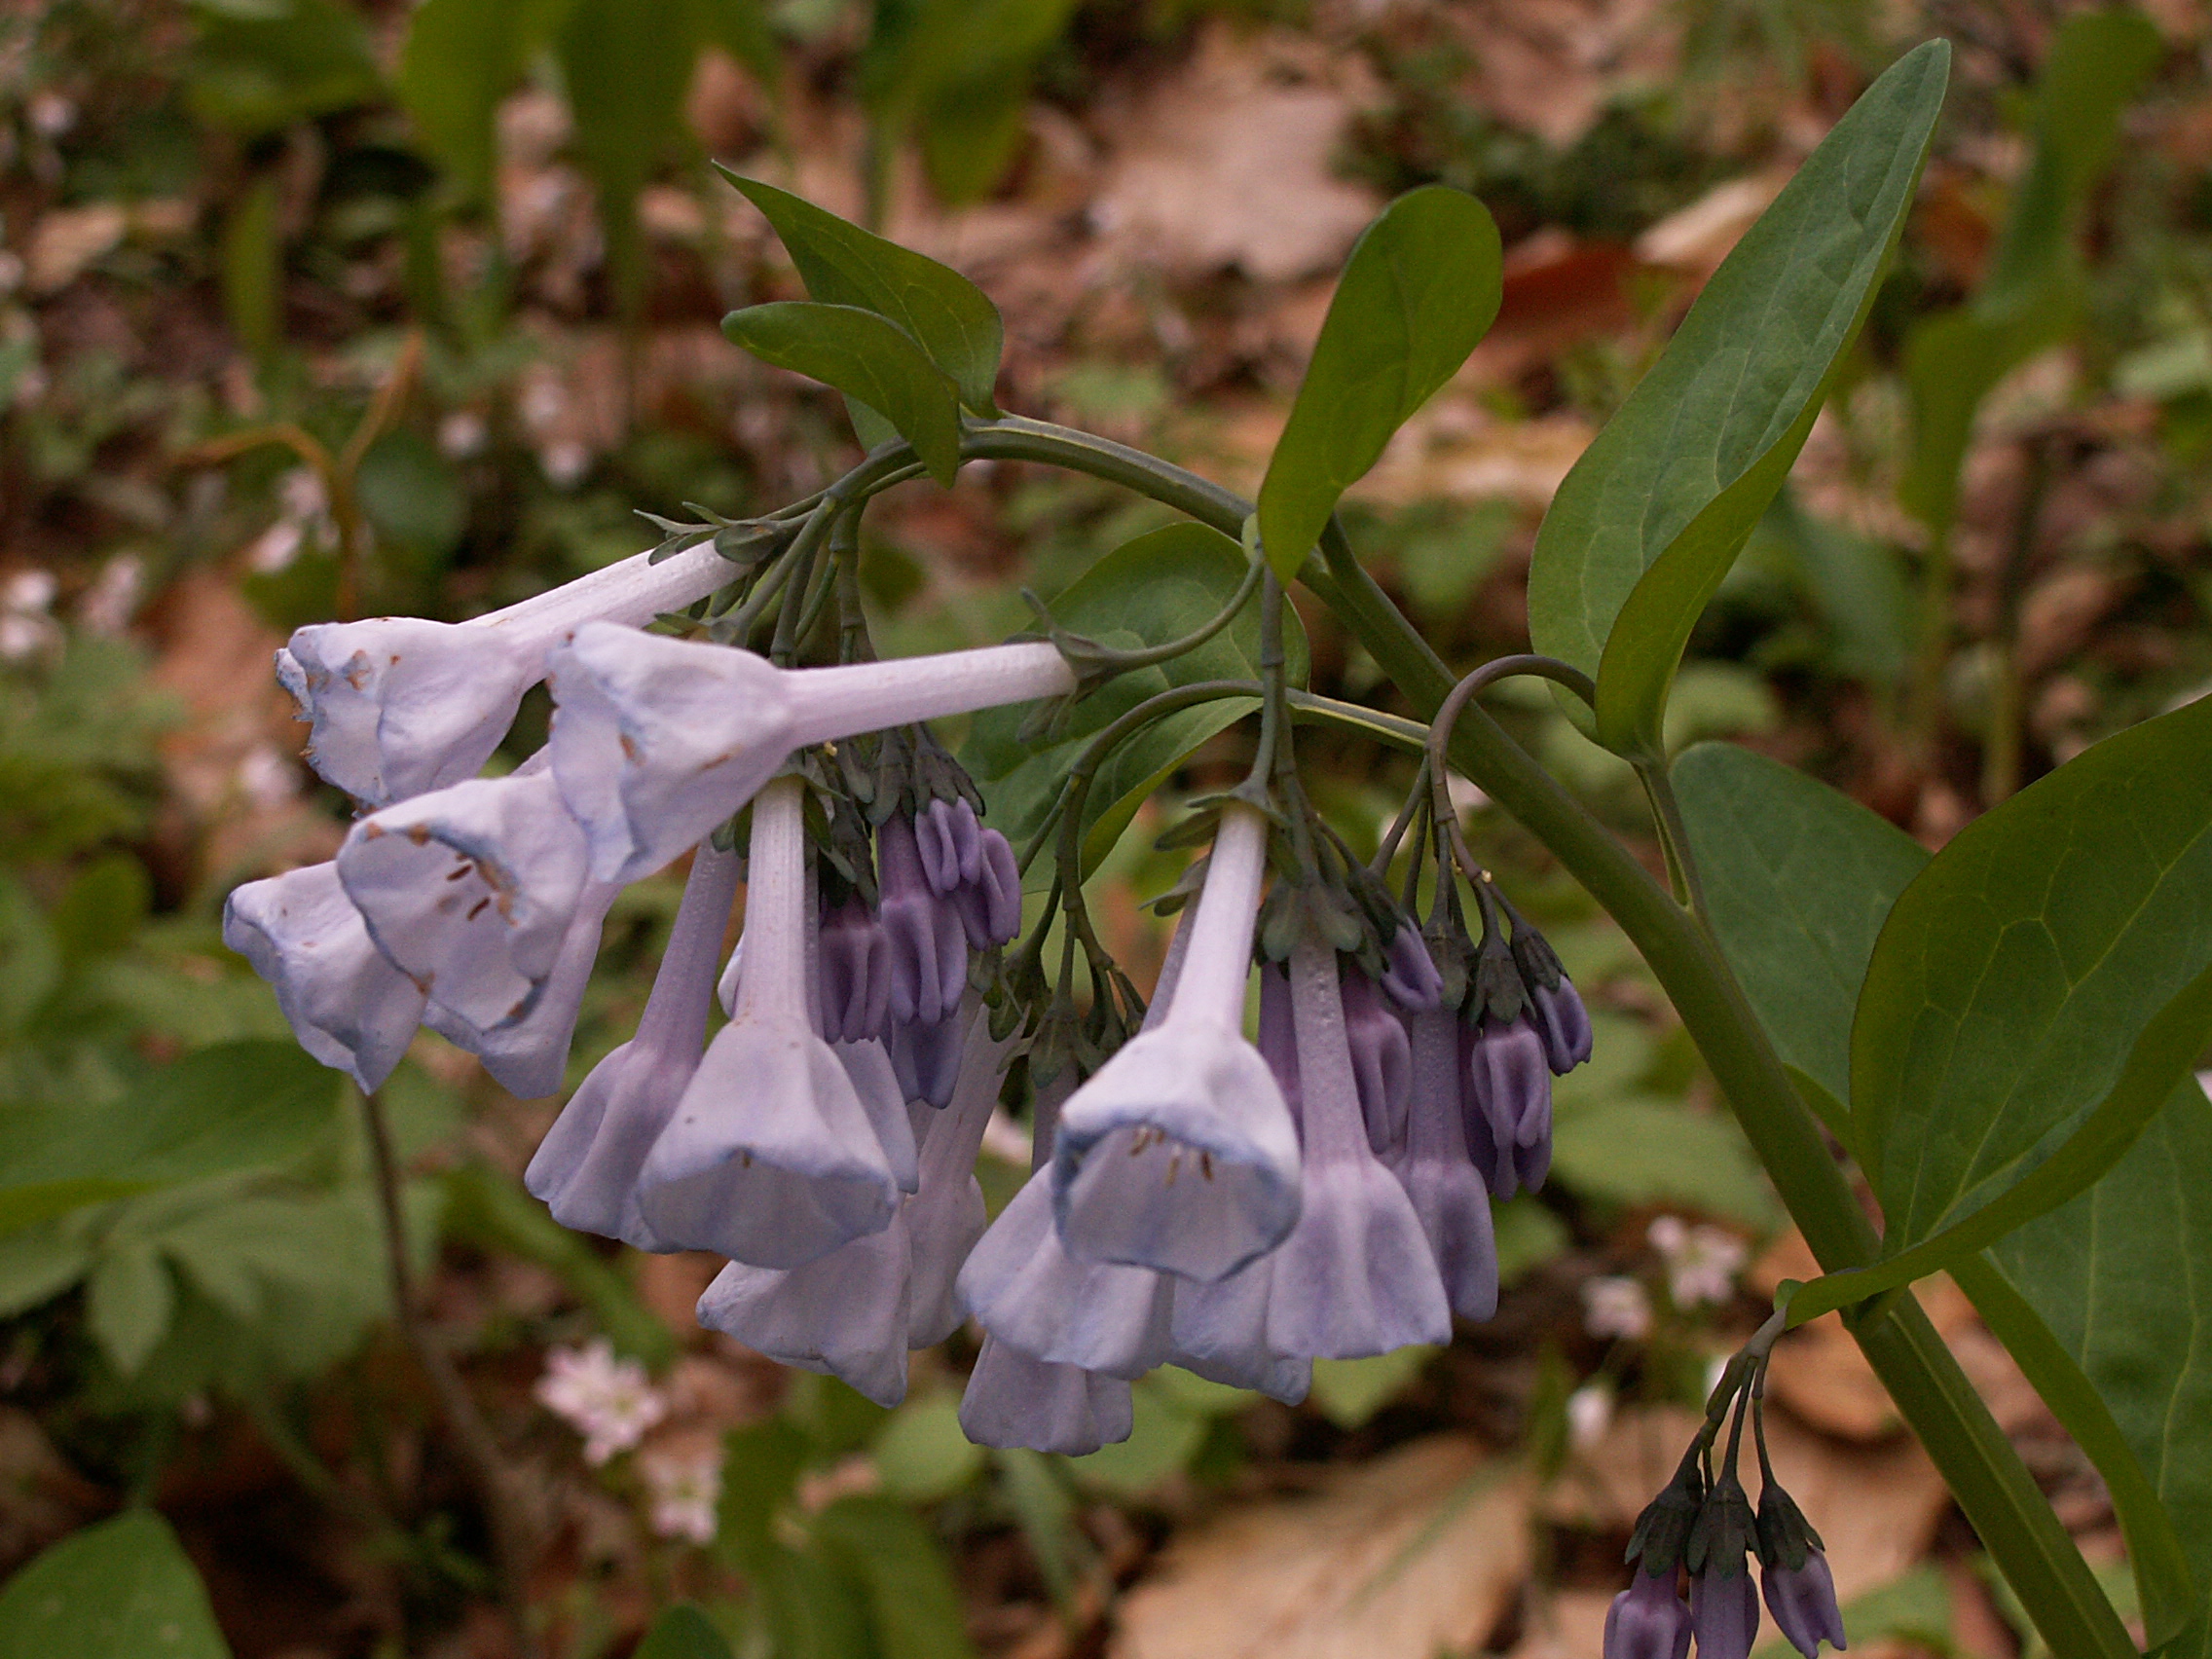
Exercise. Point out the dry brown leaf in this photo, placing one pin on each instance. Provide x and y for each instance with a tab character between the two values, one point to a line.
1226	163
68	239
1569	1625
1550	66
1697	238
1419	1552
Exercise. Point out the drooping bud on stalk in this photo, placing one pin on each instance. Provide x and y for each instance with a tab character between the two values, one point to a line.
1382	1062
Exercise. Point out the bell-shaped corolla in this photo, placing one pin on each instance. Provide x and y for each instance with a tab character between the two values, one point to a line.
1648	1620
1509	1087
1180	1153
586	1168
770	1156
1802	1600
844	1314
469	890
1564	1023
1355	1276
657	740
1450	1196
1724	1612
347	1004
400	706
1016	1400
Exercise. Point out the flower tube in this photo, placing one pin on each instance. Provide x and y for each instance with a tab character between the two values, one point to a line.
586	1168
470	890
347	1004
400	705
657	740
1354	1277
1447	1193
1180	1153
770	1158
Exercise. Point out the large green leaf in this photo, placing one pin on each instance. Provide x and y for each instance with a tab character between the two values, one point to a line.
626	64
911	1595
951	318
1637	1150
1147	591
2123	1275
1418	291
1798	879
1650	519
233	1106
124	1587
2025	976
1954	360
461	59
867	357
258	70
682	1631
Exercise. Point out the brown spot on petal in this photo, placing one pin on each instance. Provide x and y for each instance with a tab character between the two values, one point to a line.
477	910
371	831
516	1011
629	750
459	871
419	833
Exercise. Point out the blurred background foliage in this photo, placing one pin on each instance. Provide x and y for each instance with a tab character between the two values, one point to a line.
322	305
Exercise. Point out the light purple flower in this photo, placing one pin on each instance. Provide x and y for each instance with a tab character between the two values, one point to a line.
1015	1400
1802	1600
1180	1153
1449	1195
1221	1332
972	868
1648	1620
402	706
1382	1062
928	947
469	890
947	1217
1409	971
1509	1089
1565	1024
770	1158
926	1058
527	1055
1724	1612
657	740
586	1168
1355	1276
875	1081
347	1004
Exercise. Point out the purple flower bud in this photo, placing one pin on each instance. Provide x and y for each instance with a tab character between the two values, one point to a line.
950	843
926	1058
1648	1620
1447	1188
1382	1063
990	906
1565	1024
1510	1087
855	962
1725	1612
928	944
1409	971
1802	1600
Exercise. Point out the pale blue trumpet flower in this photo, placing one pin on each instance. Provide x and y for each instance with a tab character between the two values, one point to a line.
400	706
657	740
1180	1153
586	1168
528	1053
770	1158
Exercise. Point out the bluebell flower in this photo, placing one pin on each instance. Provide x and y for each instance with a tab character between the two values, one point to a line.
1013	1399
1449	1195
1509	1087
1648	1620
527	1052
586	1168
1180	1153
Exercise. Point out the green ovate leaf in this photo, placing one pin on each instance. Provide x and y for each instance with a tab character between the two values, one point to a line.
1765	837
461	59
1656	510
914	1603
867	357
2032	295
258	72
958	73
232	1106
682	1631
951	318
626	65
122	1587
1419	290
1150	590
1798	879
2020	972
1643	1151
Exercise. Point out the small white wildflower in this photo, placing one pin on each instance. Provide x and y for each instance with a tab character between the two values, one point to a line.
1588	1414
51	113
28	591
462	435
1616	1307
1701	1261
26	622
684	1489
109	603
609	1401
564	464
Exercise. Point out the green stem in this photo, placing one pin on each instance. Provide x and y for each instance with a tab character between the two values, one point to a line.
1993	1487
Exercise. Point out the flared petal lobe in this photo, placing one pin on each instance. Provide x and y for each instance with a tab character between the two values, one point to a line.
528	1053
1013	1400
1802	1600
347	1004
